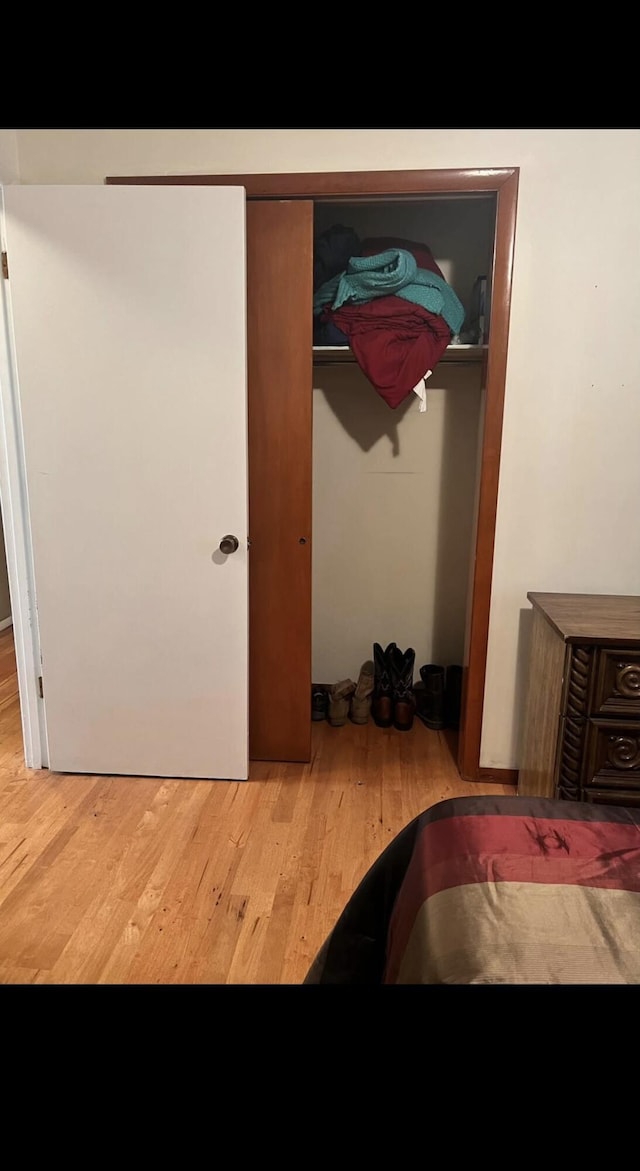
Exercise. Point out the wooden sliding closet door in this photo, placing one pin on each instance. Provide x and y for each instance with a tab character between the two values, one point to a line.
280	362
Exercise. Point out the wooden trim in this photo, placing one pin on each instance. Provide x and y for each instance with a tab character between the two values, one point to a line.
6	623
279	306
343	184
502	776
471	727
503	181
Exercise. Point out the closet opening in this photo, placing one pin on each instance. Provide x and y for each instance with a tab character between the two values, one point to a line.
395	487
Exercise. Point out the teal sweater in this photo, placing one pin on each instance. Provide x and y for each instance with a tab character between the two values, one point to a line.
391	273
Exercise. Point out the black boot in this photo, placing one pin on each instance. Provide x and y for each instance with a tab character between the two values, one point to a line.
404	706
319	703
431	710
453	697
382	701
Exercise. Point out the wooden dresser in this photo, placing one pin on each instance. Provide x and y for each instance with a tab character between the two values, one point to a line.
582	720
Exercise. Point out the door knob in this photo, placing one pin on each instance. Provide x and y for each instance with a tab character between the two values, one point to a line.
229	544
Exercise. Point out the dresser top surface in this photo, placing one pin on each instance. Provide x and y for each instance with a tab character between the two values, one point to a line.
592	618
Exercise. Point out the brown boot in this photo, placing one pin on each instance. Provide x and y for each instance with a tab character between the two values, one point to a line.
361	698
339	696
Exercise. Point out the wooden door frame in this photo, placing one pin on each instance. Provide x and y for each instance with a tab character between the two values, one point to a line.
503	182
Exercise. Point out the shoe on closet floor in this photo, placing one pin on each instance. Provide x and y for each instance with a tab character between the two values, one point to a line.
361	698
339	697
319	703
404	704
453	697
420	699
430	696
382	702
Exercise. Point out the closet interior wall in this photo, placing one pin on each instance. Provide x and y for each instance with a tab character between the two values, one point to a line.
394	491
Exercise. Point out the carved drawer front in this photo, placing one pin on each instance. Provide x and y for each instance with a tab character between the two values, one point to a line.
617	683
611	797
612	754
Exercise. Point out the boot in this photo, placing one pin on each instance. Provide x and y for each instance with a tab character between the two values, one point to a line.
453	697
420	700
339	696
319	703
382	703
431	711
404	706
361	698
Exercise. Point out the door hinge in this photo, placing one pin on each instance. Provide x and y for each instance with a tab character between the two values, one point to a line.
5	266
40	687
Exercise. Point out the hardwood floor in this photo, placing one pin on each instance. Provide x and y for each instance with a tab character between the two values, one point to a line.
119	880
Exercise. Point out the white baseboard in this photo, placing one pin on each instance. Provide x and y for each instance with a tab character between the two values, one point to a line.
6	622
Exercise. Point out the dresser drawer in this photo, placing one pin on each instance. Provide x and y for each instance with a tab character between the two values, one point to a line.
612	754
616	689
612	797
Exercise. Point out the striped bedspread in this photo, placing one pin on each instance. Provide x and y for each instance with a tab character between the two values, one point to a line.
496	890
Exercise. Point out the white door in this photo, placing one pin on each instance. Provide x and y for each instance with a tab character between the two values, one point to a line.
128	313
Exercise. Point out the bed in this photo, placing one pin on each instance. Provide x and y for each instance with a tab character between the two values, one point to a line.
496	890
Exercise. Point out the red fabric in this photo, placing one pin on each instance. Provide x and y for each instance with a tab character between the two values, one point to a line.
462	850
394	342
422	255
465	850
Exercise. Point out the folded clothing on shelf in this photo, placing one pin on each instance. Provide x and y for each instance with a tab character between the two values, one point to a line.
394	342
421	253
326	333
392	305
396	273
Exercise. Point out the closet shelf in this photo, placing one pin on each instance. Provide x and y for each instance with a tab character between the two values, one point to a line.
336	355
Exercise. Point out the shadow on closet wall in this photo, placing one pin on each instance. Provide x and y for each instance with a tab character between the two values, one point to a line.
523	656
364	415
460	447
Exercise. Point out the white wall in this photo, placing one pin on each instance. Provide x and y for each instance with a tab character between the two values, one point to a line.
570	478
8	156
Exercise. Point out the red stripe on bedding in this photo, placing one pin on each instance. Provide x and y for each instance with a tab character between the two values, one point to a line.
527	849
495	849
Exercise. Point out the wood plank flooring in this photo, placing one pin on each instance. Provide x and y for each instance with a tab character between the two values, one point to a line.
116	880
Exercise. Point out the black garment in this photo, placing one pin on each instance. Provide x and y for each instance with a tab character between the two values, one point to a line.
332	251
325	333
